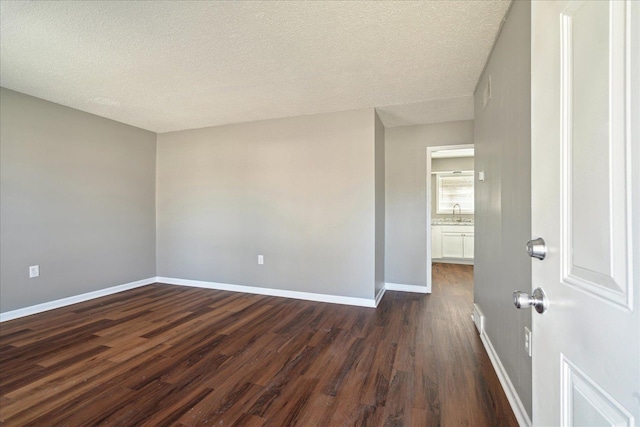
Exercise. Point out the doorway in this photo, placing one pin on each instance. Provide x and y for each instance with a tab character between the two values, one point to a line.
450	206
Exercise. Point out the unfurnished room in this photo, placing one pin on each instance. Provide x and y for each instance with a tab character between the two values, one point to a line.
320	213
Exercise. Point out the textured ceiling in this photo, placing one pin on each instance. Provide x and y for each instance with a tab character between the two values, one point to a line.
167	66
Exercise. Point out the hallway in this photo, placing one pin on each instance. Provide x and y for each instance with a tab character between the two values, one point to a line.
464	369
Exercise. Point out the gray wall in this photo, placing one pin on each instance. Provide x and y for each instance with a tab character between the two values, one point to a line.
380	202
76	198
406	195
447	165
300	191
503	201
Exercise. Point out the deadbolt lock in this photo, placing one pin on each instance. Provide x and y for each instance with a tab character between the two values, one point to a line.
537	248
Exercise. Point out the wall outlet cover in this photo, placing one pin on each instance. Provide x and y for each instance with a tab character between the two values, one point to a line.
34	271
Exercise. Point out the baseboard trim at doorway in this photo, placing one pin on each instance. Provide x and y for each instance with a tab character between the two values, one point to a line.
452	261
405	288
308	296
512	396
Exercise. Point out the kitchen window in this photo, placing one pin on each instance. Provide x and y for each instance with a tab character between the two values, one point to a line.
452	188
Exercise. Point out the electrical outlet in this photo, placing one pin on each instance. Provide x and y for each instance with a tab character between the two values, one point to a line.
260	259
527	341
34	271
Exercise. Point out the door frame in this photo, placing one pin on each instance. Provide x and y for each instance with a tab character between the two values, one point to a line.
430	151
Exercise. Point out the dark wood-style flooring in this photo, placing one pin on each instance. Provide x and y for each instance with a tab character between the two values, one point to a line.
169	355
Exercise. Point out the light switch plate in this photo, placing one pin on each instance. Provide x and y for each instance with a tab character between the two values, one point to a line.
527	340
486	93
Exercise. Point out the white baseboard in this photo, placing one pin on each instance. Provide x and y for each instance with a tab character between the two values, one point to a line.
505	381
405	288
380	295
452	261
478	318
309	296
39	308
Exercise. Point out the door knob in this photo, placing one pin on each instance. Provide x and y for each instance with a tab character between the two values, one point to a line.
538	300
537	248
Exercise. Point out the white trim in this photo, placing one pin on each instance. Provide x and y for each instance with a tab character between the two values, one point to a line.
51	305
449	172
576	381
309	296
381	293
463	261
430	151
478	318
46	306
505	382
406	288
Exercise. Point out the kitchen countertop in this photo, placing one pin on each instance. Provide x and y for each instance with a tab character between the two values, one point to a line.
447	221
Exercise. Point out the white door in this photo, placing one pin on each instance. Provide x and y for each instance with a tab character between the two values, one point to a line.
585	91
467	245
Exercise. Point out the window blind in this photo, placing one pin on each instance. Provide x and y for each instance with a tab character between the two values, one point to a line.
455	188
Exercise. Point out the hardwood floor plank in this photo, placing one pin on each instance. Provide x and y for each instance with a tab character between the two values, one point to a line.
375	387
53	396
291	404
318	411
92	409
198	374
247	420
46	344
353	353
165	355
169	412
398	409
290	369
52	390
369	416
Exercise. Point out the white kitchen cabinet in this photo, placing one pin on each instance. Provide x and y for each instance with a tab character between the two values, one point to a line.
451	244
467	246
436	242
457	242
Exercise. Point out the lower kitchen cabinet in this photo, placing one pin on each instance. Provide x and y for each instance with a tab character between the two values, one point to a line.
436	241
452	242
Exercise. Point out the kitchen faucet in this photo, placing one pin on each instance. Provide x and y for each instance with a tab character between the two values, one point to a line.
453	212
